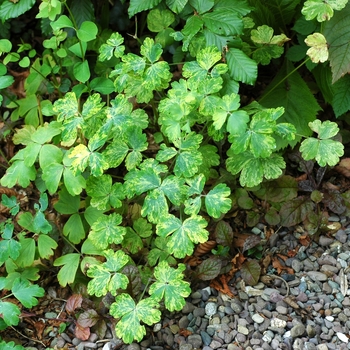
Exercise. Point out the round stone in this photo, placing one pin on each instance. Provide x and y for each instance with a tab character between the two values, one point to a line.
211	308
297	331
257	318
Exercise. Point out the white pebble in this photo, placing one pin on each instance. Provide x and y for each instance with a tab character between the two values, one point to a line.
342	337
157	327
330	318
278	323
210	308
257	318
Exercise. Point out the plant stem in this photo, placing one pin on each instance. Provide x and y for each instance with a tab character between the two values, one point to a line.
285	78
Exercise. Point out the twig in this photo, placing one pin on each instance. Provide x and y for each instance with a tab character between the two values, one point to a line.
284	281
24	336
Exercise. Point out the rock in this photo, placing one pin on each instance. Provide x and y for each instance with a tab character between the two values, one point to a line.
317	276
133	346
188	308
258	319
297	331
195	340
211	308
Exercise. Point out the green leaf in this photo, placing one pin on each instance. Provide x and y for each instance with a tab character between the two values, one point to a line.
26	292
253	170
155	206
105	277
27	252
81	71
160	252
9	9
106	230
67	273
170	286
142	227
67	204
322	10
9	247
113	47
6	81
341	96
318	51
241	67
157	20
325	130
251	271
202	6
294	95
140	181
74	228
337	33
137	6
62	22
183	234
132	241
216	201
87	31
268	45
45	246
10	313
326	152
129	326
223	21
18	173
176	5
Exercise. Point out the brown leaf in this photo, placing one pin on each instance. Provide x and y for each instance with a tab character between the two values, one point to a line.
73	303
344	167
220	284
82	333
204	248
88	318
251	242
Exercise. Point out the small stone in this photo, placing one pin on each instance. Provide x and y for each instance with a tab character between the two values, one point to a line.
188	308
241	338
215	344
342	337
157	327
211	308
66	337
278	323
317	276
325	241
186	347
297	331
133	346
206	338
242	329
183	322
195	340
199	312
268	336
322	347
310	331
258	319
174	328
282	309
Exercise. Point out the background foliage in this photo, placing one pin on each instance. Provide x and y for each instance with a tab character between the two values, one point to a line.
145	125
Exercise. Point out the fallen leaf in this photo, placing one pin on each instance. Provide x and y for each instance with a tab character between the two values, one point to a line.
220	284
73	303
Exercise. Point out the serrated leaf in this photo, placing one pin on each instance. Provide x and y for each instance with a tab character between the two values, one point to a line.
295	211
341	96
170	286
183	234
326	152
318	51
250	271
142	227
325	130
176	5
139	181
253	169
300	105
202	6
67	273
105	277
46	245
11	9
10	313
241	67
18	173
337	33
224	233
137	6
155	206
26	292
129	327
322	10
157	20
209	269
216	201
106	230
223	21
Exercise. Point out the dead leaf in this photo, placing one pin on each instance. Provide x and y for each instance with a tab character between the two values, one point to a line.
251	242
343	167
73	303
220	284
343	282
204	248
82	333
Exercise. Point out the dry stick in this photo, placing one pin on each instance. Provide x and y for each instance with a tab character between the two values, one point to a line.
24	336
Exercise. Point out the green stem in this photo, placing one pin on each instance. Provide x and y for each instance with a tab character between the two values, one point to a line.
3	156
76	29
285	78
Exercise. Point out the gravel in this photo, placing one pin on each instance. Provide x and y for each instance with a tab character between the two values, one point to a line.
305	310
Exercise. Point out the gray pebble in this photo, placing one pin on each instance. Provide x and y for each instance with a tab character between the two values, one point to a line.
297	331
317	276
133	346
195	340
